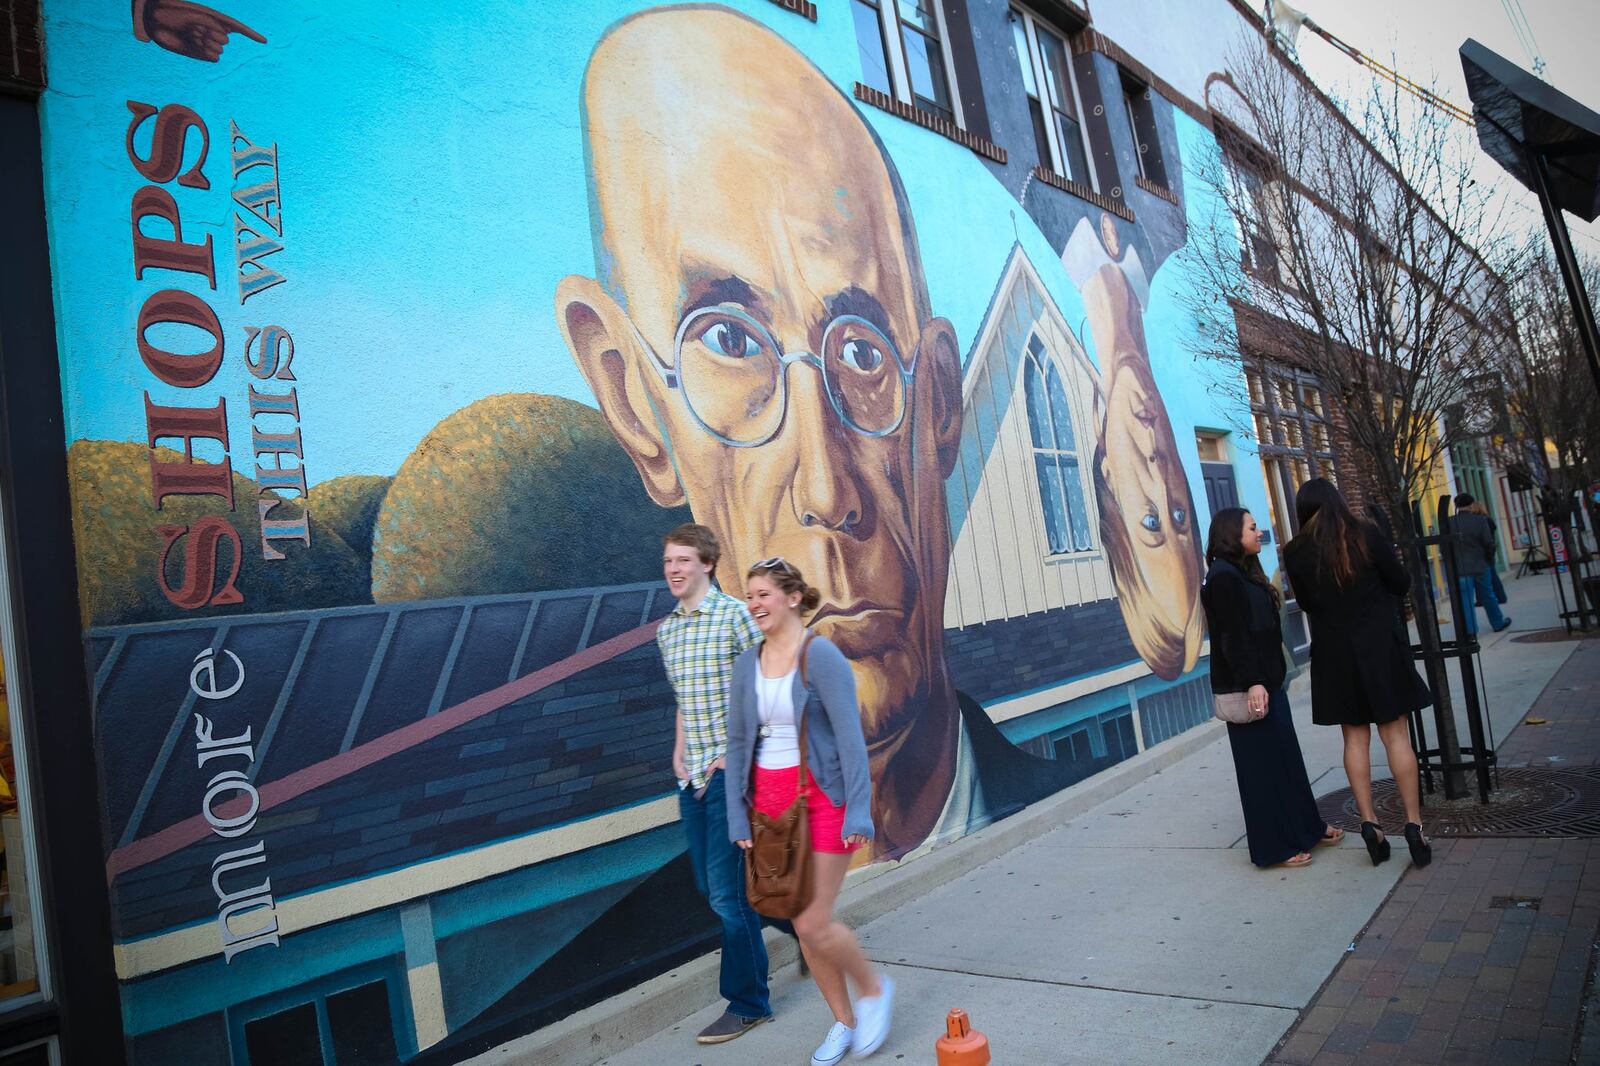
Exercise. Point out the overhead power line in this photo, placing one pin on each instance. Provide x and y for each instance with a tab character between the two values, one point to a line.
1281	18
1388	73
1524	31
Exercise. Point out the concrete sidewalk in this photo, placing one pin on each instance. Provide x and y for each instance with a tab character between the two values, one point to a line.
1135	931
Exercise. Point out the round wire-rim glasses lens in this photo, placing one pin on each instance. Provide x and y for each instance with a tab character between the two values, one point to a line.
730	371
865	375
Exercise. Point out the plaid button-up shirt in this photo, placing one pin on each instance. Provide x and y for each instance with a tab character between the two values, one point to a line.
698	648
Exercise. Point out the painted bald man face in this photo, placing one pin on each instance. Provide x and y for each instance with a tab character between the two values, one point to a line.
761	344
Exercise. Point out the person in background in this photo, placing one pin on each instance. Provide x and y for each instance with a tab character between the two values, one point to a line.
1347	580
699	641
1241	606
773	693
1474	561
1477	507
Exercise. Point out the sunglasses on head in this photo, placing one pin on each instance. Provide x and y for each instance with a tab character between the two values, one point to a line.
777	562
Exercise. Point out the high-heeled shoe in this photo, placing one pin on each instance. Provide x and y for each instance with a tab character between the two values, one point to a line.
1421	849
1377	844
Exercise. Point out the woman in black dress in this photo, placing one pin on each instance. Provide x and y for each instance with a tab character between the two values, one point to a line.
1345	575
1280	813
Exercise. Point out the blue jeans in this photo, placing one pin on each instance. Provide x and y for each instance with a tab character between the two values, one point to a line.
719	875
1484	587
1499	589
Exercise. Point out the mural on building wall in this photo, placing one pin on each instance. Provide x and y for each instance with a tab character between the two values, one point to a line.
368	492
1147	520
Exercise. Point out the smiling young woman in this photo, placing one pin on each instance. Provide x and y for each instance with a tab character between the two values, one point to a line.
770	700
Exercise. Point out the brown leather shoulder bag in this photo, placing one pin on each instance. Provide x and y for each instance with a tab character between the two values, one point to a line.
777	869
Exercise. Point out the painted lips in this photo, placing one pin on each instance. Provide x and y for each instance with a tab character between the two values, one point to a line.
860	629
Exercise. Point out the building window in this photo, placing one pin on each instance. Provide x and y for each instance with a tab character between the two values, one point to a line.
1057	124
1473	477
902	48
1258	251
1110	733
1055	454
1293	437
348	1026
925	59
293	1035
1259	247
1139	104
870	46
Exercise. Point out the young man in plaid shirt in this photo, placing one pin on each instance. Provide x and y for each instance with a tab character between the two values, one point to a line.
699	641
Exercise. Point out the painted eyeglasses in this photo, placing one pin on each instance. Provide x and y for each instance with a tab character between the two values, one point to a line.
732	373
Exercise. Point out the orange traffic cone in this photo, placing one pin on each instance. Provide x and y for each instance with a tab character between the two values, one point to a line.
962	1045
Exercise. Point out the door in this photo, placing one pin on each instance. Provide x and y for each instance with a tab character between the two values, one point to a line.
1221	489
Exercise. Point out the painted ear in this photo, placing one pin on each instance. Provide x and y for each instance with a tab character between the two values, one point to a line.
610	356
942	363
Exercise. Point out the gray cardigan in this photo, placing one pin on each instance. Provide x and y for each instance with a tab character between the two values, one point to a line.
835	747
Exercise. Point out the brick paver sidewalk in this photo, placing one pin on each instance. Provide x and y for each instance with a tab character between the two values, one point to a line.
1452	969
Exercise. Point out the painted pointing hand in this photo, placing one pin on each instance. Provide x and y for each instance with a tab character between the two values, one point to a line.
188	29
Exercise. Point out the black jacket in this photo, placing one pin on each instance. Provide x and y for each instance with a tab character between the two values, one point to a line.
1361	665
1246	639
1475	550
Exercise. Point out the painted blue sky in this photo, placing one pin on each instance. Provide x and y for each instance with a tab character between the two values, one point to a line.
433	194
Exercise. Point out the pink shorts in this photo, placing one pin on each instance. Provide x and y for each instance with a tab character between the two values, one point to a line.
775	791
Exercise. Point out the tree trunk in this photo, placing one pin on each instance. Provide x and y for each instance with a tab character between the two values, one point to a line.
1427	618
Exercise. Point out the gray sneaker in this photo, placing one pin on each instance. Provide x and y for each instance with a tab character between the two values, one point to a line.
728	1027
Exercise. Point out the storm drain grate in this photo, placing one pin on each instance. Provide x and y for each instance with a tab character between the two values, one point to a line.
1515	903
1530	802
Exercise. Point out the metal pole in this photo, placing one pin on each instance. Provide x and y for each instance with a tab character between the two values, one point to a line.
1568	262
1467	646
1434	653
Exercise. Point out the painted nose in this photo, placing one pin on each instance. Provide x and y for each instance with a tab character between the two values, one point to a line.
824	490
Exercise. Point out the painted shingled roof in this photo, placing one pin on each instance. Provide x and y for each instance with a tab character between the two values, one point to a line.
384	735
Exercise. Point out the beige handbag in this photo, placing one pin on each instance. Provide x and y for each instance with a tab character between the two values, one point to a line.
1232	707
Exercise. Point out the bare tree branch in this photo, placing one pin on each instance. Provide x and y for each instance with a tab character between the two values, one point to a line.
1364	245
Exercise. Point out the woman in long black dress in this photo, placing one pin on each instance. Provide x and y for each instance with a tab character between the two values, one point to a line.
1345	576
1280	813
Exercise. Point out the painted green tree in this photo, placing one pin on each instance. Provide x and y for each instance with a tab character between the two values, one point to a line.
516	493
114	525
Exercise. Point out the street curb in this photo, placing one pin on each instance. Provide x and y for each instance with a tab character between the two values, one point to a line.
615	1024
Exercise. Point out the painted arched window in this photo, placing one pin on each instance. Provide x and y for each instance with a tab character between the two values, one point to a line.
1055	454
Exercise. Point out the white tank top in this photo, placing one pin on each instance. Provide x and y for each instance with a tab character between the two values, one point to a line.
778	743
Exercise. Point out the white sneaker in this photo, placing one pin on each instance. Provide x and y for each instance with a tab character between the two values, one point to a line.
872	1020
834	1045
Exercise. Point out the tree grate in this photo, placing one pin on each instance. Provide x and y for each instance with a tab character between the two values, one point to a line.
1552	636
1529	802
